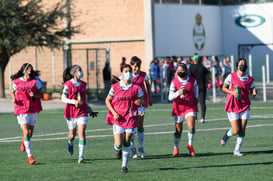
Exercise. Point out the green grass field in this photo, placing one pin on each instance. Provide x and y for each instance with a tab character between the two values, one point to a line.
212	161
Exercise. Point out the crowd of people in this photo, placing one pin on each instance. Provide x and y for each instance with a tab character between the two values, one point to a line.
129	97
162	70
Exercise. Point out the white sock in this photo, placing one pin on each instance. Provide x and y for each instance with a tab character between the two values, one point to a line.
239	142
81	148
176	140
28	146
125	155
140	136
190	137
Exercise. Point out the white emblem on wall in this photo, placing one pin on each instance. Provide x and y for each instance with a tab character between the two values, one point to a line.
198	33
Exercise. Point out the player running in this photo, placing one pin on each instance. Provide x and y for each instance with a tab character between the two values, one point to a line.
140	78
237	86
26	96
184	94
123	101
76	109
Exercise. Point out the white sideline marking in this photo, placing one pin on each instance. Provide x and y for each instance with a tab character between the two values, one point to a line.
18	139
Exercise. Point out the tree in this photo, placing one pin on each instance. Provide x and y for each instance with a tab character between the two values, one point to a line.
26	23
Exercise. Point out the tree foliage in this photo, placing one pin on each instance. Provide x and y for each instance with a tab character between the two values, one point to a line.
27	23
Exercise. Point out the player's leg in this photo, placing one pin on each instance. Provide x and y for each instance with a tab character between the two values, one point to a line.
126	149
118	140
27	124
190	118
233	119
140	132
71	124
177	134
244	116
82	123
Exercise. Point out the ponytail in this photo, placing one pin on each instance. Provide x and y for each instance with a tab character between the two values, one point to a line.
66	74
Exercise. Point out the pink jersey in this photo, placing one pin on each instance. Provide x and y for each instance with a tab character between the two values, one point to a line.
24	103
140	80
123	104
234	105
182	106
70	110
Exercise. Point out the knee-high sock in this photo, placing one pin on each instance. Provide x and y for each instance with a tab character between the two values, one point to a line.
176	140
190	136
28	146
82	144
239	142
140	135
126	154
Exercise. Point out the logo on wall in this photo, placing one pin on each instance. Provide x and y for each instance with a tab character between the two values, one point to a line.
198	33
249	21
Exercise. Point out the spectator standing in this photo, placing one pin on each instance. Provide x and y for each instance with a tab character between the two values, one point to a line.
218	71
123	62
106	78
226	67
155	75
199	72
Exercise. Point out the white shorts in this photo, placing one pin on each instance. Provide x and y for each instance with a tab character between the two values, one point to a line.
119	130
180	119
27	119
141	111
73	122
235	116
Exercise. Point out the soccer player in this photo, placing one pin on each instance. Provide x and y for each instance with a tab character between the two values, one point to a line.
76	109
26	96
123	101
184	94
237	86
140	78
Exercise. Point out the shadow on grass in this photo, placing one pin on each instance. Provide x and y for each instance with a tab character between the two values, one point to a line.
209	154
217	166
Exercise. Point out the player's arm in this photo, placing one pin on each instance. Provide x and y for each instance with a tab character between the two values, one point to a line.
226	84
39	86
174	94
140	100
108	101
253	90
65	97
13	97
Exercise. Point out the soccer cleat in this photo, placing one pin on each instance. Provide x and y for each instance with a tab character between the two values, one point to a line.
70	149
23	148
118	154
133	153
124	170
175	152
225	138
142	152
202	120
80	160
31	160
237	153
191	150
